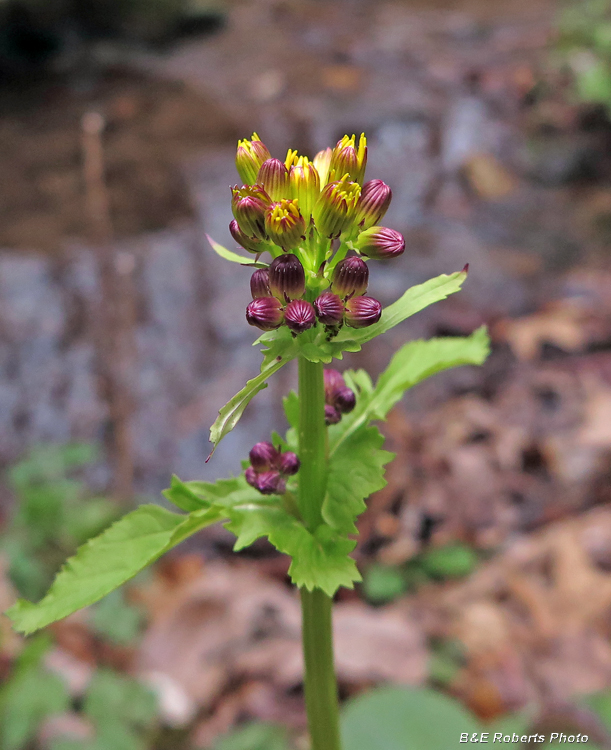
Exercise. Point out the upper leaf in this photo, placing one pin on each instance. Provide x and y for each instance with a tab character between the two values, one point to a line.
229	254
109	560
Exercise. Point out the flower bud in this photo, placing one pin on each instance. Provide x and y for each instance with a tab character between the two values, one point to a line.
347	159
380	243
274	177
263	456
299	315
259	283
334	382
329	309
345	400
271	483
332	415
373	204
304	184
286	277
251	477
362	311
334	211
321	162
265	313
249	158
249	204
284	224
289	464
350	277
251	244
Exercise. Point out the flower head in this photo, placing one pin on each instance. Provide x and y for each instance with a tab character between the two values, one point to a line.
249	158
263	456
334	211
362	311
274	177
288	464
373	203
329	309
269	468
259	284
249	204
304	183
350	277
286	277
332	415
284	224
322	162
347	158
345	400
380	243
265	313
252	244
299	315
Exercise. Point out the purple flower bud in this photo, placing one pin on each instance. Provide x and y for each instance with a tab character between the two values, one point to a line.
259	283
251	477
373	203
286	277
284	224
350	277
299	315
329	308
345	400
249	204
347	158
265	313
362	311
334	382
289	464
251	244
263	457
274	176
332	415
380	243
271	483
249	158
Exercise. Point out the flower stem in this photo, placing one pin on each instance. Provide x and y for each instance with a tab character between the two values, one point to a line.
320	681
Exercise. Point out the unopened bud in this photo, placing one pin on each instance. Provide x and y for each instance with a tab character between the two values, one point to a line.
249	204
334	212
259	284
265	313
362	311
287	277
346	158
345	400
329	309
332	415
334	382
271	483
322	162
380	243
350	277
299	315
373	203
263	456
284	224
251	244
249	158
289	464
251	477
274	177
305	185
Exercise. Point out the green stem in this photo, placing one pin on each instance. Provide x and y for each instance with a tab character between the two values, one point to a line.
320	681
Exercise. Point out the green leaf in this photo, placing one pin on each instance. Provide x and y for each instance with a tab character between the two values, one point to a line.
117	620
112	696
104	563
383	583
416	298
405	719
451	561
356	470
184	496
243	260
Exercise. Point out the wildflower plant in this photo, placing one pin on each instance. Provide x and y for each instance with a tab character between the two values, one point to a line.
310	229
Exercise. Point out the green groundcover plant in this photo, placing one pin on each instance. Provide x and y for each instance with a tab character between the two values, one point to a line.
318	223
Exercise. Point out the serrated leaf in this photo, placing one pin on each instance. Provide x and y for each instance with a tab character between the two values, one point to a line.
356	470
243	260
184	497
109	560
416	298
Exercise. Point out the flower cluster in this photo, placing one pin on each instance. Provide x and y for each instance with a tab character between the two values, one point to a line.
339	399
269	468
319	221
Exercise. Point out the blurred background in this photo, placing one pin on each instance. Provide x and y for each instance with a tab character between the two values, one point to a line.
487	558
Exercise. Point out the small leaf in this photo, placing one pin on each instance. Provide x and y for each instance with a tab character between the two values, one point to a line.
109	560
183	496
229	254
383	584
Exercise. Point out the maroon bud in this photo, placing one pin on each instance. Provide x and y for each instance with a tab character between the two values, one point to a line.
289	464
274	176
299	315
287	277
329	308
350	277
380	243
271	483
362	311
373	203
332	415
265	313
334	382
345	400
263	456
249	204
252	244
251	477
259	284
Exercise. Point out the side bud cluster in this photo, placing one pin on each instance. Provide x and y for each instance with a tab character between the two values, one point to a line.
269	468
339	399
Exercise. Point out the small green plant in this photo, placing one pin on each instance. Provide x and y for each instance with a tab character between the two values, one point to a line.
319	222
